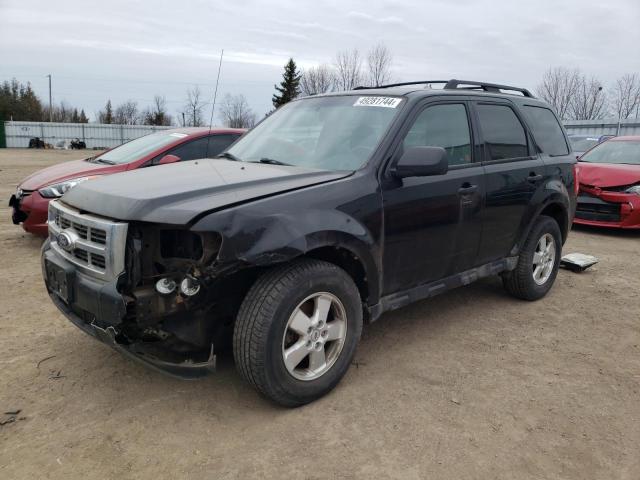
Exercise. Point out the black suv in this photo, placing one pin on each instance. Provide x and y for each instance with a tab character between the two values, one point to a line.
333	210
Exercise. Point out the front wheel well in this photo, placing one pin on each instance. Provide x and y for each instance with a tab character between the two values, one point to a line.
346	260
559	214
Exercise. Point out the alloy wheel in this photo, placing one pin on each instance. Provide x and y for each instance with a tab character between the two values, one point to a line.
314	336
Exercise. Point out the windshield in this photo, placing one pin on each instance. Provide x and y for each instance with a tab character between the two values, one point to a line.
582	144
326	133
614	152
138	148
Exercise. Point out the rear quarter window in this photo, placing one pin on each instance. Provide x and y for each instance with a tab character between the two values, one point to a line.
546	130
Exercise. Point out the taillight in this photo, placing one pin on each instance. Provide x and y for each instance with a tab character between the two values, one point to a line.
576	180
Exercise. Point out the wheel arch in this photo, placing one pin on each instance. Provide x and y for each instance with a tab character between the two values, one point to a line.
559	213
348	261
555	207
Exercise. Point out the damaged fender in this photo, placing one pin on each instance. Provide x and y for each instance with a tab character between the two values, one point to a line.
260	234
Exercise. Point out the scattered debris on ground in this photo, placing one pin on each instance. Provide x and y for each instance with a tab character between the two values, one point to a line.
578	262
11	416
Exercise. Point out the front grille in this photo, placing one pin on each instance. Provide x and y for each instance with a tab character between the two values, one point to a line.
98	236
98	260
97	244
595	209
63	222
81	229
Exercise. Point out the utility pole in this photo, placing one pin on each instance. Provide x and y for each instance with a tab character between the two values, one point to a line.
50	103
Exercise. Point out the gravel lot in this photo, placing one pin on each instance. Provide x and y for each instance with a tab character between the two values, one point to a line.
471	384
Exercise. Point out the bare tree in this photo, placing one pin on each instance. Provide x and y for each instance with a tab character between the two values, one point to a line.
60	113
589	101
194	106
379	60
348	65
157	114
126	113
558	88
236	113
626	96
317	80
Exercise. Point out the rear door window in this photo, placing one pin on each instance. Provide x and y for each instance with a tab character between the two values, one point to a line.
546	130
504	136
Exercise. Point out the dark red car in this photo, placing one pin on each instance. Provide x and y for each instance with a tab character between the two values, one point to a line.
31	200
609	176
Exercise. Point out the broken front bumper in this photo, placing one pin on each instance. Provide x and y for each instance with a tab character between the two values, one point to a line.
603	208
29	209
98	309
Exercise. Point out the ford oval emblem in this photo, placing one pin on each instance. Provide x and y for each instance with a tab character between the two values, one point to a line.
65	241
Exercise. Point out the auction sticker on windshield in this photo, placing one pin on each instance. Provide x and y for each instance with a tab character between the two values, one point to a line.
387	102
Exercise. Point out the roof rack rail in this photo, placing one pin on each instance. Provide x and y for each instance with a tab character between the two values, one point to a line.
403	84
487	87
454	84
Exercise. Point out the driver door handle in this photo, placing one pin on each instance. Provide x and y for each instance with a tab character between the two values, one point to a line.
534	177
467	188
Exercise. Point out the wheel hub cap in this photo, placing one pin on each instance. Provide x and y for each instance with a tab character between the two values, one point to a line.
314	336
544	258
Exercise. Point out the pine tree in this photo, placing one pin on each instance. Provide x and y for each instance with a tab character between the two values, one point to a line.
19	102
83	117
31	104
106	116
289	87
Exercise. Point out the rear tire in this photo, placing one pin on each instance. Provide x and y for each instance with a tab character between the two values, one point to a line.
297	330
538	261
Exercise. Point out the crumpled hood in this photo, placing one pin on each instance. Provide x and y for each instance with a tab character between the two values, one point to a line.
65	171
178	192
608	174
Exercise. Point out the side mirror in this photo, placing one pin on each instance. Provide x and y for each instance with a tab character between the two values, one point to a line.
422	162
168	159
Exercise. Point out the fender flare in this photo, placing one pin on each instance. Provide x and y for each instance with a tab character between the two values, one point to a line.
555	199
250	240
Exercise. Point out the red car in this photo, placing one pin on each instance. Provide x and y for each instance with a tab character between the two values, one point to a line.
31	200
609	176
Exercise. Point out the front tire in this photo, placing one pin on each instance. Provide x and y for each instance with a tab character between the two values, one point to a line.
297	330
538	261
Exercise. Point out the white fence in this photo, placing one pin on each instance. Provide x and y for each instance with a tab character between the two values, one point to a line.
603	127
95	135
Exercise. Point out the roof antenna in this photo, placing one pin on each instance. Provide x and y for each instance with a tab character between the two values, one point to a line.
215	94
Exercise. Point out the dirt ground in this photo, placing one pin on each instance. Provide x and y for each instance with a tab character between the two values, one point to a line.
472	384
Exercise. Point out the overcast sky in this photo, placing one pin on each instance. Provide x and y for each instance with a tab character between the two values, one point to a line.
132	50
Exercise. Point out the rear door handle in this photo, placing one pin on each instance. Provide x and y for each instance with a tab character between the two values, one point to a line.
467	188
534	177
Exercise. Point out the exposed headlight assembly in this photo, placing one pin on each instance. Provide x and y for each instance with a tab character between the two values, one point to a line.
634	189
58	189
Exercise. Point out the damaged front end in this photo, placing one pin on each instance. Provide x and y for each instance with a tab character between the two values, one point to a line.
146	290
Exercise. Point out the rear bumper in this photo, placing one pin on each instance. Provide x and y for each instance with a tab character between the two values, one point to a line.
31	212
98	310
608	209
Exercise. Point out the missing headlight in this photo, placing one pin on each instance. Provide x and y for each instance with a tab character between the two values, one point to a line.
180	244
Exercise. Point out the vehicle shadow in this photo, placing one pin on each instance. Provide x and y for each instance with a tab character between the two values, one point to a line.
128	383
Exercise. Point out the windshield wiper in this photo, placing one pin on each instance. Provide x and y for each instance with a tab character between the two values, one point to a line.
228	156
272	161
106	162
